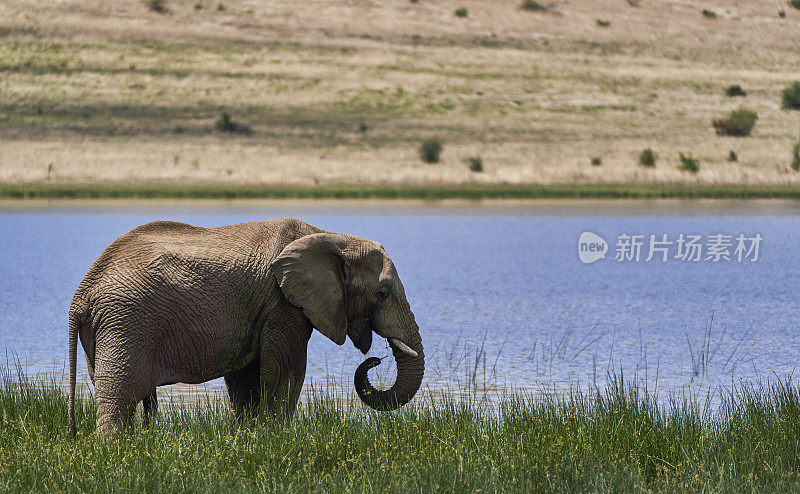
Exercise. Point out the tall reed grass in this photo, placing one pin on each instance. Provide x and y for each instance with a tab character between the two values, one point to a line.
622	438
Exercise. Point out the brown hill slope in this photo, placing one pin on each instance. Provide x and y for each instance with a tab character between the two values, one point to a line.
344	91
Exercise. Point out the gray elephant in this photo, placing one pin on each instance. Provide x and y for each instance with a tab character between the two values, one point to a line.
169	302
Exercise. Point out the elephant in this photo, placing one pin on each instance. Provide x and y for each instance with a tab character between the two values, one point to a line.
169	302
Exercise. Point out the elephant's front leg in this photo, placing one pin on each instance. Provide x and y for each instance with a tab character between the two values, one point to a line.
150	407
282	381
243	389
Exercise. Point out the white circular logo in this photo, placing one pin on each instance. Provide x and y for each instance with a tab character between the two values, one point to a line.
591	247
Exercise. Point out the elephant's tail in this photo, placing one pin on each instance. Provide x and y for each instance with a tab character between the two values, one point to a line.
74	321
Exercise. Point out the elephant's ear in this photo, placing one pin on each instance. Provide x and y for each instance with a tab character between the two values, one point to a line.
310	273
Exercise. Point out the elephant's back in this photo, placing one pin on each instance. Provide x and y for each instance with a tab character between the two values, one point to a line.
151	252
180	254
142	244
163	227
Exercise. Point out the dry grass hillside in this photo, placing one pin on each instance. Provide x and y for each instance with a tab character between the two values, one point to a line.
343	91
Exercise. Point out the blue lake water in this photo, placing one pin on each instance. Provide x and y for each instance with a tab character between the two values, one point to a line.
500	294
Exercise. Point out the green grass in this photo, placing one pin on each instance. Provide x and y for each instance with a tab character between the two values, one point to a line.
622	439
145	190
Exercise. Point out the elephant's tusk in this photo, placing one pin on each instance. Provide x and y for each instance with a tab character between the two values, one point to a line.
403	347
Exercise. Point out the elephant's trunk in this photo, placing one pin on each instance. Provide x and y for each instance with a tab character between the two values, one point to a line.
410	370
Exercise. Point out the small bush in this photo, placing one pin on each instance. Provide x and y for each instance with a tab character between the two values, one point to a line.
221	7
633	3
735	90
597	161
431	149
795	3
689	164
159	6
732	156
461	12
790	98
226	124
532	5
603	23
796	156
414	1
782	14
198	6
475	164
739	123
647	158
709	14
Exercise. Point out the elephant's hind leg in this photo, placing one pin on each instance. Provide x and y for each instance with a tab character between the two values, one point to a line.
119	388
243	389
115	407
150	404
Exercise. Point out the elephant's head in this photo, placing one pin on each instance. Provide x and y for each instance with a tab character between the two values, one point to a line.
348	286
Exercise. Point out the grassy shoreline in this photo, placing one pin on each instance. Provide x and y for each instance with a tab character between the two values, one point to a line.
419	192
621	439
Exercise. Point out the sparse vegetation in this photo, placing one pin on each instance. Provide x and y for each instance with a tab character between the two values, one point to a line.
739	123
221	7
532	5
198	6
734	91
431	149
790	97
603	23
732	156
647	158
148	86
597	161
633	3
159	6
795	3
475	164
709	14
796	156
782	14
461	12
688	163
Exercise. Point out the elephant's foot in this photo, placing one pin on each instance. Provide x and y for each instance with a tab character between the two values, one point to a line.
150	407
281	402
113	417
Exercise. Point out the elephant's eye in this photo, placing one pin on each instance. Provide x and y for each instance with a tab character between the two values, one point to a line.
382	293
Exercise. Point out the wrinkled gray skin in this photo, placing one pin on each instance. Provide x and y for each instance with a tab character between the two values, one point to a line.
169	302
